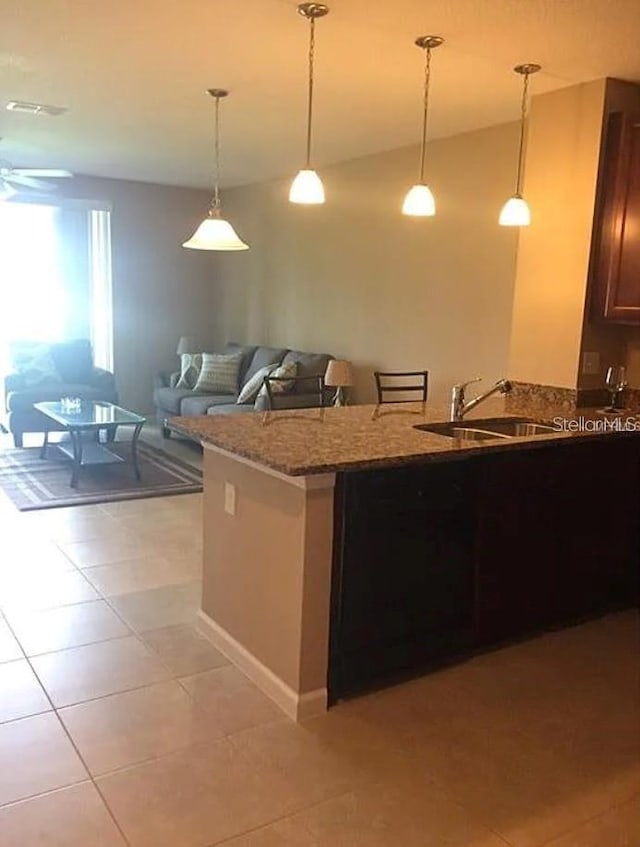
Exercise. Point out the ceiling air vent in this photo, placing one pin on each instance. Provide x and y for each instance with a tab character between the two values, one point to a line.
26	108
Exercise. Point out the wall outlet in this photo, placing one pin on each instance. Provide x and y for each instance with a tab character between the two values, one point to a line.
590	364
229	498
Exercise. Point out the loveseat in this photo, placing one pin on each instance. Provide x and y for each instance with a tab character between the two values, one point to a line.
49	373
172	401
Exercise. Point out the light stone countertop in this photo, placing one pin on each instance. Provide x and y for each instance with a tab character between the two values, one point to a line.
313	441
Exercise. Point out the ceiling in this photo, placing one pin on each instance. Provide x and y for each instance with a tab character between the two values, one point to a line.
133	75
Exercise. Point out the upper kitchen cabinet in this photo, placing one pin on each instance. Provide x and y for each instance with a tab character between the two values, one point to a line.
616	260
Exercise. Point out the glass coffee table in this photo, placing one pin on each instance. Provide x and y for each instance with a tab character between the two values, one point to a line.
90	419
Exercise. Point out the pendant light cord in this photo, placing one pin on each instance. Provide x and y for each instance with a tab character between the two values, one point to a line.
216	187
312	50
425	111
523	121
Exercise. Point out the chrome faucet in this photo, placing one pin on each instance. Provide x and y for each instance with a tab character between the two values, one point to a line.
459	407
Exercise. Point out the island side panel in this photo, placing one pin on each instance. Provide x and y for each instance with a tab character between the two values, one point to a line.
267	576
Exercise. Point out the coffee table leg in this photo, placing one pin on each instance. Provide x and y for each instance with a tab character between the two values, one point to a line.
134	450
45	442
76	440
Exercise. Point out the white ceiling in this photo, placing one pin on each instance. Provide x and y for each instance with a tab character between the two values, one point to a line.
133	74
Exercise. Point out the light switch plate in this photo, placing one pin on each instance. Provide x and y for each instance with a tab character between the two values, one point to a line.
229	498
591	364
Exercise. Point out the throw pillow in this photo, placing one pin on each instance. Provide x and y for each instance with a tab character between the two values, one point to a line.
219	373
36	366
250	389
289	369
190	367
74	360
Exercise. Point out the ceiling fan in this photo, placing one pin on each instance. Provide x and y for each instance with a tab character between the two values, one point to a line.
13	179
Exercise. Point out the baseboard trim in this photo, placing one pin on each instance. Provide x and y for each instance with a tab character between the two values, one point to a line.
294	705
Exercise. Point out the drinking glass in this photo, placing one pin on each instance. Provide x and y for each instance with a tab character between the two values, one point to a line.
616	382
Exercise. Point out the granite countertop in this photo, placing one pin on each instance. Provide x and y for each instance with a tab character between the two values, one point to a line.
312	441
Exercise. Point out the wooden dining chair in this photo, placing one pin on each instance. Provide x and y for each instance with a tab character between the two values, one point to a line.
297	392
394	386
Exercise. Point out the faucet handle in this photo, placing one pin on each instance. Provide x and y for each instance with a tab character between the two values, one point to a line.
462	385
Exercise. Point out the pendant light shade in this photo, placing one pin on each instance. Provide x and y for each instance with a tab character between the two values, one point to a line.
419	201
215	233
307	188
515	211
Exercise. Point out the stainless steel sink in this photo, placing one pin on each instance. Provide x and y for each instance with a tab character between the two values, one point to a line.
517	428
456	429
488	429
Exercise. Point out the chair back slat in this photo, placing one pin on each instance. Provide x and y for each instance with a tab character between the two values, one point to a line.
386	384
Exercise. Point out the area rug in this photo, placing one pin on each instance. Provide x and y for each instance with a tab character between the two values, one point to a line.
35	483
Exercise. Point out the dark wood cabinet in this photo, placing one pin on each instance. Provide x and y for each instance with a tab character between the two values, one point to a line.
402	591
615	283
441	559
557	536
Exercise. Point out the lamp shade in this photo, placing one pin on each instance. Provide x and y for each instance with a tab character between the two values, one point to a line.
186	345
419	202
515	212
338	374
215	233
307	189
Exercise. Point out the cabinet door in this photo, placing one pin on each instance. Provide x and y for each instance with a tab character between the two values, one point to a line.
403	579
616	284
519	523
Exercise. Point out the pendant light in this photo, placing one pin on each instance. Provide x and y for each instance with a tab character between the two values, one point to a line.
307	187
419	201
515	211
215	233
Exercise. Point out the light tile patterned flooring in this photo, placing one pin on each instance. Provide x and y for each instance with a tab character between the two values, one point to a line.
121	725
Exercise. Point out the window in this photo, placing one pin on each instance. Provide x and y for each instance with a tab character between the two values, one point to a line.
55	276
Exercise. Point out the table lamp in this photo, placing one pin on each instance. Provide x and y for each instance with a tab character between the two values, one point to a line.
339	376
185	345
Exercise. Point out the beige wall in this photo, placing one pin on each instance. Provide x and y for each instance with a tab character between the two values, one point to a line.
553	255
358	279
267	568
160	290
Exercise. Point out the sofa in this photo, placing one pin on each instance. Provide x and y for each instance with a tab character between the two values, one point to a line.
171	401
48	373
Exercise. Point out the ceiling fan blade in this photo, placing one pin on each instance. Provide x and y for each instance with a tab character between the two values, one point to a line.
29	182
57	173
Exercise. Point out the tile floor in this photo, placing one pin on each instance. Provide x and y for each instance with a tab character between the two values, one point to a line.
121	725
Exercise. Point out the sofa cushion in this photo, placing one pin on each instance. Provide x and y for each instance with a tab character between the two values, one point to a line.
250	389
73	360
309	364
282	372
219	373
262	357
198	404
34	363
169	399
247	351
23	400
231	409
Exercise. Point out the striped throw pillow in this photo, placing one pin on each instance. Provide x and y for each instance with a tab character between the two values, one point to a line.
219	373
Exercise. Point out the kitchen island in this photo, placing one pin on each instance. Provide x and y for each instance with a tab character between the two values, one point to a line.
344	547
